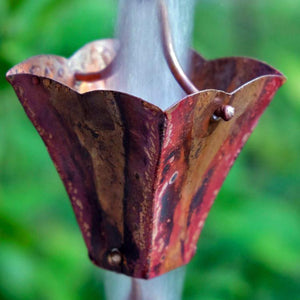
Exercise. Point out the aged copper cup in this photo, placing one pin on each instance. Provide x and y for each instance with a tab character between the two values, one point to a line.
141	180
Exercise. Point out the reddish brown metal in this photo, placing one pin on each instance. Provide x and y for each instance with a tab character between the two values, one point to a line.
98	75
141	180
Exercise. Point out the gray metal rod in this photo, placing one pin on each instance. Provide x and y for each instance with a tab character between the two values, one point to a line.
165	287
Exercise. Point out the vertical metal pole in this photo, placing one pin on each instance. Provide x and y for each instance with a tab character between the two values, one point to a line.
165	287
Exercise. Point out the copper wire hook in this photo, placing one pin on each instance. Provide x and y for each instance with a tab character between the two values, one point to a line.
225	112
169	54
169	51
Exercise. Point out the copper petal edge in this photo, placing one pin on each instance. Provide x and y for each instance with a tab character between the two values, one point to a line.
141	181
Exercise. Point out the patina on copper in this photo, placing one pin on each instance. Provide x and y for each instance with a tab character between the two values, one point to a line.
141	180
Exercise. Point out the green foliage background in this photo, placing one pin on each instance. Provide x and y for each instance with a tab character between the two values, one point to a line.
249	248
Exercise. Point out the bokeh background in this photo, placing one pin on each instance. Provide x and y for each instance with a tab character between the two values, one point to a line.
250	245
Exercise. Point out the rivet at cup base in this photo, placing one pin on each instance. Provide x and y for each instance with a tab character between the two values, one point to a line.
114	257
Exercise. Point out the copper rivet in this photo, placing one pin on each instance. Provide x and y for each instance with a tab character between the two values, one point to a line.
114	257
226	112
